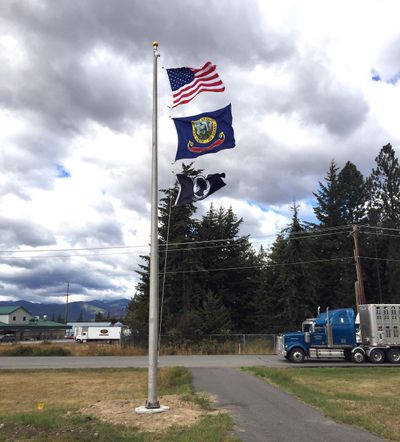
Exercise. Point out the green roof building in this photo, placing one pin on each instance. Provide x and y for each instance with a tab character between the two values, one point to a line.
17	321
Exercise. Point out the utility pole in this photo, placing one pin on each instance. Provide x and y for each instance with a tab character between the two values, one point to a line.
66	306
359	285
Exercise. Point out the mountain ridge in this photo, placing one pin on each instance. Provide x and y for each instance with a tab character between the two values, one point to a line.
78	310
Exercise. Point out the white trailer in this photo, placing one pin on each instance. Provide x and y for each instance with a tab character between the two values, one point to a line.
101	334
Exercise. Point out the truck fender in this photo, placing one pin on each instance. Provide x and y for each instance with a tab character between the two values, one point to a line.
297	345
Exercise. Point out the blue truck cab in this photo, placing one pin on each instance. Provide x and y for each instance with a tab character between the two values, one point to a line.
332	334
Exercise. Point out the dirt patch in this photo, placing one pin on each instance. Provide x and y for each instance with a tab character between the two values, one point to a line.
122	412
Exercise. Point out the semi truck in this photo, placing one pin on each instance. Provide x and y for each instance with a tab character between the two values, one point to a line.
89	333
371	335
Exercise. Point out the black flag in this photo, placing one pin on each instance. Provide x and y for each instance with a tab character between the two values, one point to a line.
195	188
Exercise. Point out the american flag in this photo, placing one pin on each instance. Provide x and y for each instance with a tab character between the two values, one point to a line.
187	82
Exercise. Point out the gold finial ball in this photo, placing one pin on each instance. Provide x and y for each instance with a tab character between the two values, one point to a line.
155	44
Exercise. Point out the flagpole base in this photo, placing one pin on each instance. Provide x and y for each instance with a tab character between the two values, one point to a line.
144	410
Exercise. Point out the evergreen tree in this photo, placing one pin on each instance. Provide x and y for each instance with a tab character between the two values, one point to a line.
352	195
177	232
384	211
99	317
231	265
340	203
266	308
213	315
328	210
293	275
384	189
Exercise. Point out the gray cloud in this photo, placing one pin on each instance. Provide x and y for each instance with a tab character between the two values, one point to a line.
94	233
15	232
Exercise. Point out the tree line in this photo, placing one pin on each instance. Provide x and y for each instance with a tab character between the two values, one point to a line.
214	281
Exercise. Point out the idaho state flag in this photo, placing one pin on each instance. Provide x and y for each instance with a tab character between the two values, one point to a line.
204	133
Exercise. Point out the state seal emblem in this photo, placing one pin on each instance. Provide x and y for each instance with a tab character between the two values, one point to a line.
204	130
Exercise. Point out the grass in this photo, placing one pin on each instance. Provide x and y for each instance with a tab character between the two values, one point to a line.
183	347
42	405
365	397
62	427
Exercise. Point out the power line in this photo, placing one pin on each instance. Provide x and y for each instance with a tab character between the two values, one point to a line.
379	259
322	229
378	227
258	266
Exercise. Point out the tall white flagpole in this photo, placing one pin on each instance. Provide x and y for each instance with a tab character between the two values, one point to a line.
152	404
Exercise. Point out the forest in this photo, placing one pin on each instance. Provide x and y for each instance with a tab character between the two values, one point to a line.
214	281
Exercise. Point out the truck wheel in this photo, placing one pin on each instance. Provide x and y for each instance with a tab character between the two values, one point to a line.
297	355
377	356
393	355
358	356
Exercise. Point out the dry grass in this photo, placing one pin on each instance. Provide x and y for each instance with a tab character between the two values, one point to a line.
187	348
68	388
89	349
366	397
82	405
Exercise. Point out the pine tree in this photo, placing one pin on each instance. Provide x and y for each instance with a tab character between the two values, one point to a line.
292	274
384	189
384	211
213	315
231	265
352	195
177	232
340	203
328	210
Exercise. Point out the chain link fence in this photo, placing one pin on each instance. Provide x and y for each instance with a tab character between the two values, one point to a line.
175	344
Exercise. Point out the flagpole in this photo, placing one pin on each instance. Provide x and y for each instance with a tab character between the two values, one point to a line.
152	401
152	404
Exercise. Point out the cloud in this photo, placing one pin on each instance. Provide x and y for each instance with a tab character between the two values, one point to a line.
76	109
17	232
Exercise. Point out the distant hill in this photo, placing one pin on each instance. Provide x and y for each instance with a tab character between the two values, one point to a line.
86	310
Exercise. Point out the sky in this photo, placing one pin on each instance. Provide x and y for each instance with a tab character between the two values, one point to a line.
309	82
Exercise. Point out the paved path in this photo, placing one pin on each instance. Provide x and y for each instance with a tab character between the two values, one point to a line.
263	413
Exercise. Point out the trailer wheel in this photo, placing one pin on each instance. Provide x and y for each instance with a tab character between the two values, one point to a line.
377	356
358	356
297	355
393	355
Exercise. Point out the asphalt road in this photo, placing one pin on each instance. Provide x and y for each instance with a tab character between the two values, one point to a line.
210	361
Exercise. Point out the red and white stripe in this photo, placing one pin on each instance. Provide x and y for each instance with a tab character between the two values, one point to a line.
206	80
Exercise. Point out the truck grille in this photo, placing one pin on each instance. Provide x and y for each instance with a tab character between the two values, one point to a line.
279	344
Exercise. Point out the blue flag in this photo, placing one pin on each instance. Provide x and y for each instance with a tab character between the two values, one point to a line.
204	133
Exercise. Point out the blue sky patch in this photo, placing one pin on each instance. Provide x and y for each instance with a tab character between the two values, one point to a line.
62	172
392	80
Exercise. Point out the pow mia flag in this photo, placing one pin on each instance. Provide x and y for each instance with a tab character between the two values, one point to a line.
196	188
